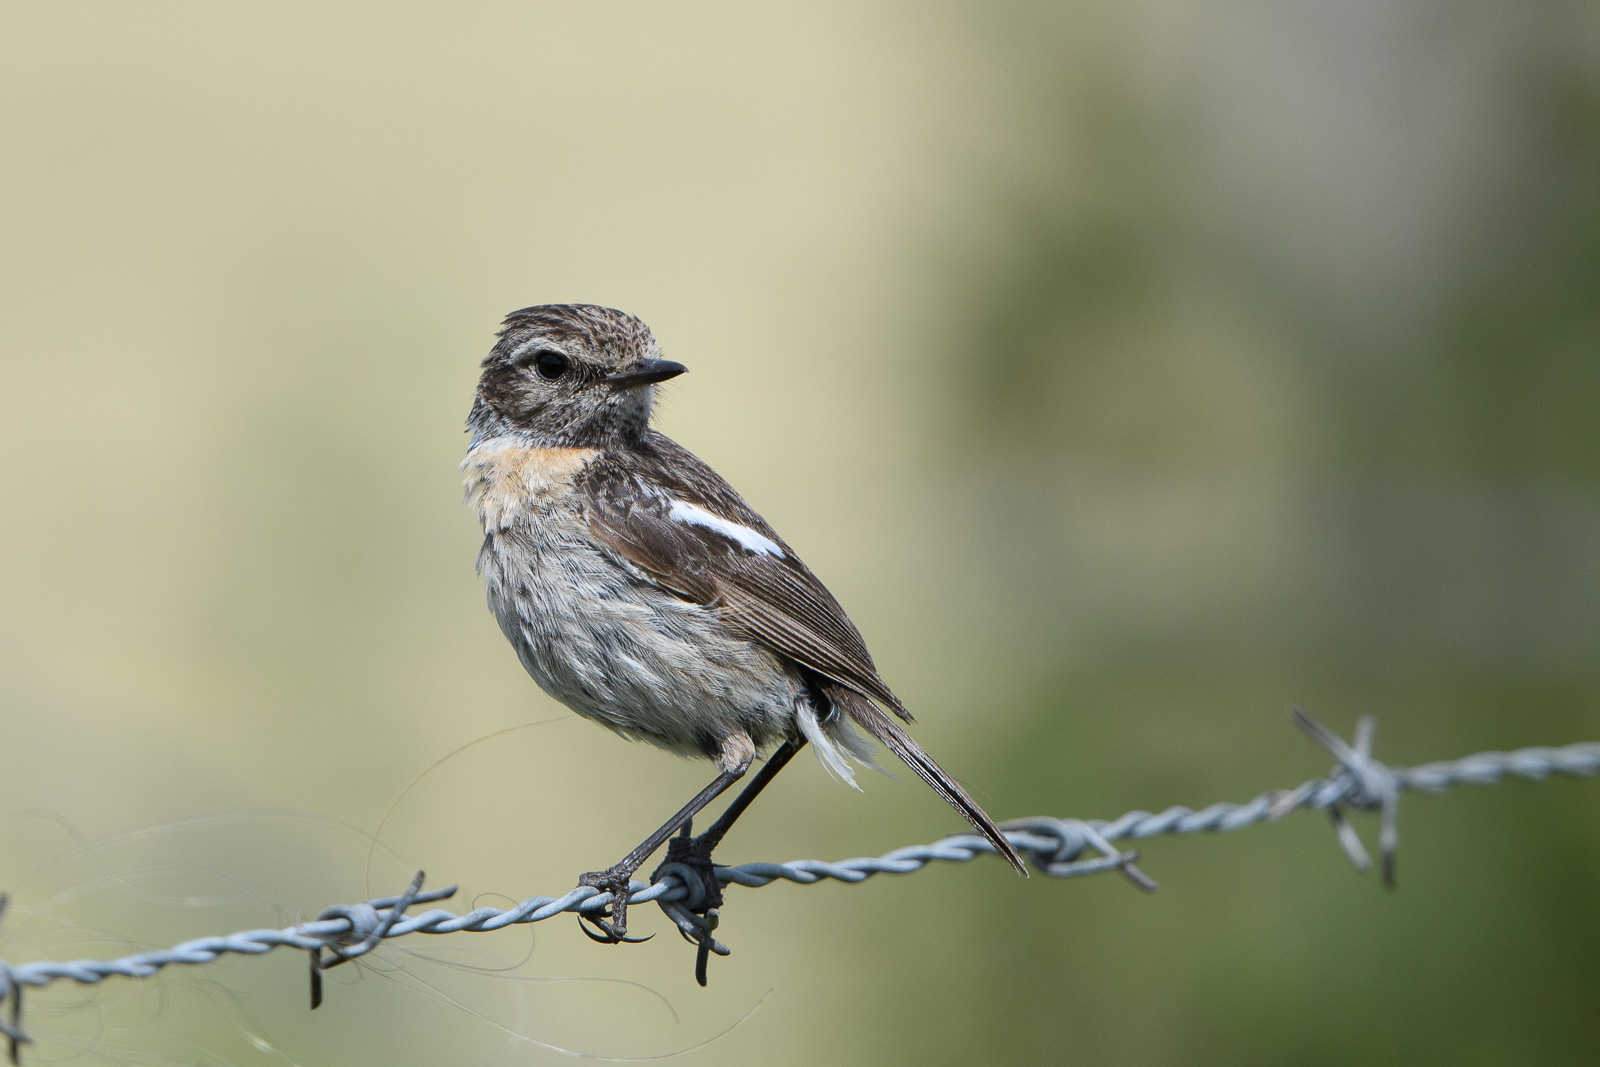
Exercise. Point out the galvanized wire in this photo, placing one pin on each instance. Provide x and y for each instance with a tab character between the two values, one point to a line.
1056	847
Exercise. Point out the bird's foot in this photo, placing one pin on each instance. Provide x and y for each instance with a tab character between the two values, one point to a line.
612	922
692	857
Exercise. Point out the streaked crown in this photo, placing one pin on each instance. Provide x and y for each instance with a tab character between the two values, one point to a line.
569	374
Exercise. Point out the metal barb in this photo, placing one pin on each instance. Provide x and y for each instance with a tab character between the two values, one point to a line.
1135	875
12	988
695	911
1063	841
1368	784
703	950
15	1038
361	919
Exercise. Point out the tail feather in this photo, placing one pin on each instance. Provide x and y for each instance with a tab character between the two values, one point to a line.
872	719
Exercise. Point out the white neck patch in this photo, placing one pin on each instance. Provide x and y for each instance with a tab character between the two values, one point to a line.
683	511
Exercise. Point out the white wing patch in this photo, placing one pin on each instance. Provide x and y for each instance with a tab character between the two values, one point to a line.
683	511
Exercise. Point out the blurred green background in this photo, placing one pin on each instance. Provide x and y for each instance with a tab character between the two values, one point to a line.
1132	371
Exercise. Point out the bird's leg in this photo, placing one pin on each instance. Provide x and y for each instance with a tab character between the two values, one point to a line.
734	760
695	852
769	770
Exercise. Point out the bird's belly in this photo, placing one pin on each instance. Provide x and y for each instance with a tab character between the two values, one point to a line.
620	650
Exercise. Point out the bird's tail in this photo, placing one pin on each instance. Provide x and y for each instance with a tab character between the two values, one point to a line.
872	719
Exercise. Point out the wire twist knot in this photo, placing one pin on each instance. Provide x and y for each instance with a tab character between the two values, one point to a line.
364	921
1363	783
697	912
701	889
1054	845
367	929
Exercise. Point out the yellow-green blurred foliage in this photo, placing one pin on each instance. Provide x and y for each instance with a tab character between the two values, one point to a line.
1131	371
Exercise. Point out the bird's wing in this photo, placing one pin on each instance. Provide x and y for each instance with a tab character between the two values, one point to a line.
673	517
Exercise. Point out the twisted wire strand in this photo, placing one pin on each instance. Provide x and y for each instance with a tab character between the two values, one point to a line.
1055	846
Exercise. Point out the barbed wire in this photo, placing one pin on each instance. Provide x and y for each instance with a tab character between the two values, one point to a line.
1056	847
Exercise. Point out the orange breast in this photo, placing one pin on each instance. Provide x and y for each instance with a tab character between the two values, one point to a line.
503	478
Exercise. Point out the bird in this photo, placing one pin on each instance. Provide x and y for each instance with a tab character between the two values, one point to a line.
640	590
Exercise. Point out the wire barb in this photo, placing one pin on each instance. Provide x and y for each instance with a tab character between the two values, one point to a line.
1374	786
11	989
1057	847
1054	845
688	860
367	928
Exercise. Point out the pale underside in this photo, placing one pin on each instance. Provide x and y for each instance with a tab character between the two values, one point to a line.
607	640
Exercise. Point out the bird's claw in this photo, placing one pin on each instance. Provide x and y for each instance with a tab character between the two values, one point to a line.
609	935
612	921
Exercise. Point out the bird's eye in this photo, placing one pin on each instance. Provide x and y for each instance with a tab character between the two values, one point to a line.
550	365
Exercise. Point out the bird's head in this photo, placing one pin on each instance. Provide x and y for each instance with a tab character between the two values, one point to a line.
574	375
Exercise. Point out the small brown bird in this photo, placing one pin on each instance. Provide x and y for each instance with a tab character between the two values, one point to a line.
641	591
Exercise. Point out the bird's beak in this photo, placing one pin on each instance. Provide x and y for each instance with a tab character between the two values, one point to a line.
646	372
